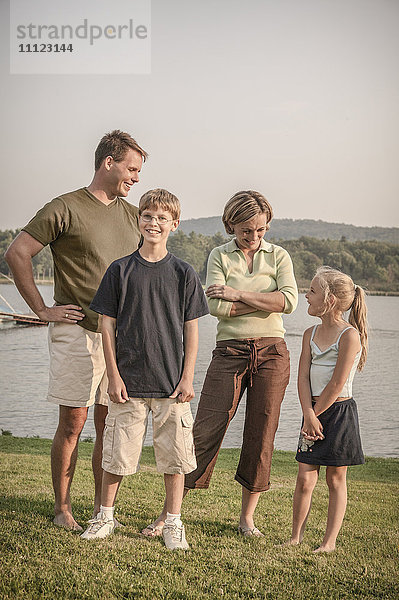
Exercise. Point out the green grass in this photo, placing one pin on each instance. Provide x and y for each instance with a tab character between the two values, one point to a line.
40	560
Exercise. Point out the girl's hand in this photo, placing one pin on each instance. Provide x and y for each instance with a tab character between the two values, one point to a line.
312	428
223	292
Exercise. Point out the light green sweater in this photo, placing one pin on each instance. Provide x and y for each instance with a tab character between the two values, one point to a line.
272	270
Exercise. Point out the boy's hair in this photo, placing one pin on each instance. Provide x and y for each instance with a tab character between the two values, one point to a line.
347	296
160	198
243	206
116	144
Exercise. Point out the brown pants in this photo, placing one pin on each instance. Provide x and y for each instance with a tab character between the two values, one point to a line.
262	366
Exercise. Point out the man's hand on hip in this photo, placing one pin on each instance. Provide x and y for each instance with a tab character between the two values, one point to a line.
66	313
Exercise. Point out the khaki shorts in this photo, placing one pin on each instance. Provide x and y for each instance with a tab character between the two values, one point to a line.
77	366
125	430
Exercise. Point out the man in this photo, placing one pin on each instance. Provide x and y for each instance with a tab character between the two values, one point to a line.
87	230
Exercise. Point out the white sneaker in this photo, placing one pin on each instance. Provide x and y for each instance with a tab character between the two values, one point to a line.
99	527
174	536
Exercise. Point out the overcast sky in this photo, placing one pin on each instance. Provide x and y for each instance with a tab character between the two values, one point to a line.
297	99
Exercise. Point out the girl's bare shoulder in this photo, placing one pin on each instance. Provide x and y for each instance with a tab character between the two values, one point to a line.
350	338
308	332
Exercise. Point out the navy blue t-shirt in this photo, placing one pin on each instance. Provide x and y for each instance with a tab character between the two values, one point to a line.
150	302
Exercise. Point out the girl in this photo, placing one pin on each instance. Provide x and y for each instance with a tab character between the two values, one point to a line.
331	353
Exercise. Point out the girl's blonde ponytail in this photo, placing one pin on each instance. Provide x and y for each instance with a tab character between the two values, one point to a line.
358	318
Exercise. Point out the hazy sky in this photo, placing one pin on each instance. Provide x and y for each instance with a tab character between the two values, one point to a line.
295	98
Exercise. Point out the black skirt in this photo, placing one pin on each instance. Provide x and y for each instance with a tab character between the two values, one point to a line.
341	445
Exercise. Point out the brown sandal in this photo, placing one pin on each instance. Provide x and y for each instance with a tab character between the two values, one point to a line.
248	532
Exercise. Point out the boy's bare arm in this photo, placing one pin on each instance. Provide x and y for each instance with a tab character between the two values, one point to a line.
116	387
184	390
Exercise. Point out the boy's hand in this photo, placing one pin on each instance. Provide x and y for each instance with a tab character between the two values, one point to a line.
117	391
184	391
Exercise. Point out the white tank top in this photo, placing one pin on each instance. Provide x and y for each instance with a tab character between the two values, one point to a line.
323	365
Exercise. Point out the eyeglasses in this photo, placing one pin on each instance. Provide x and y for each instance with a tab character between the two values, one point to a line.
160	220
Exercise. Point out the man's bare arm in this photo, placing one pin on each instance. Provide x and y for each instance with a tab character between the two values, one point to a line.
19	258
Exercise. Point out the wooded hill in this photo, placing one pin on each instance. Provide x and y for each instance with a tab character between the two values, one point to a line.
289	229
372	264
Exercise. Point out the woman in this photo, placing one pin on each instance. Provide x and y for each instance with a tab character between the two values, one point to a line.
249	284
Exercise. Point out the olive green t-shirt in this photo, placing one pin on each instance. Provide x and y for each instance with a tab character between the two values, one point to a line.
85	237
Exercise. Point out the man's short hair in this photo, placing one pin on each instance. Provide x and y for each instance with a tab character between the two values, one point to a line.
116	144
160	198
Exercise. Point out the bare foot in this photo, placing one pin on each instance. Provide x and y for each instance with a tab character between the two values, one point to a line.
325	549
154	529
67	521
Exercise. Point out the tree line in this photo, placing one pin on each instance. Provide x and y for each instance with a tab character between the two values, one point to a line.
372	264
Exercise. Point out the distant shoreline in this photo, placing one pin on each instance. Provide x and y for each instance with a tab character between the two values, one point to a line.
37	281
368	292
302	290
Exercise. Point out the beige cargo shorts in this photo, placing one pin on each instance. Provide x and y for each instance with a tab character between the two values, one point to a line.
125	430
77	366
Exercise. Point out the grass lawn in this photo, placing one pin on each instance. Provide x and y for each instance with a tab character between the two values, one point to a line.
40	560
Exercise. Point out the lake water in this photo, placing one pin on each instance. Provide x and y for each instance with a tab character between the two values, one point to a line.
24	376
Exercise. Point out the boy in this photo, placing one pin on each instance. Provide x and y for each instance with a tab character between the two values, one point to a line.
150	302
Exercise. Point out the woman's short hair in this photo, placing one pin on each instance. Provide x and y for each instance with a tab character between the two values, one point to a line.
244	206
